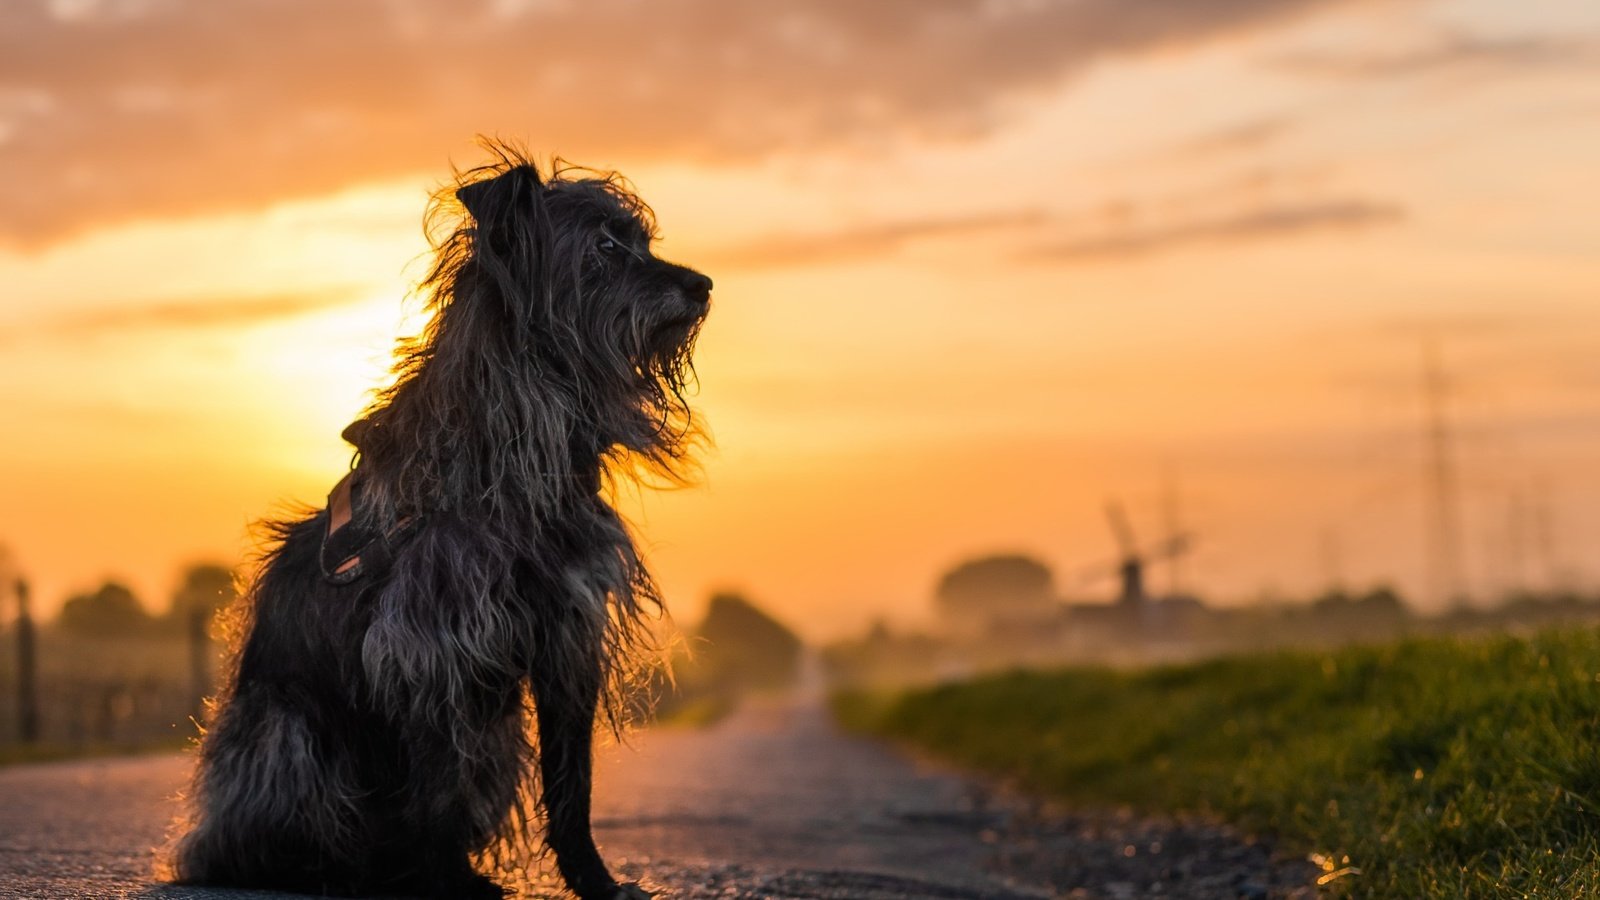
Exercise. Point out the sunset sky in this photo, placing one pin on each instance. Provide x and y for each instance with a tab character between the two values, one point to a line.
980	266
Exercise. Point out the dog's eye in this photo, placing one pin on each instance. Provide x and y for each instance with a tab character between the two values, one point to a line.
607	245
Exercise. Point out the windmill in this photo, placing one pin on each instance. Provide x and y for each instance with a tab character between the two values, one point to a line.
1130	567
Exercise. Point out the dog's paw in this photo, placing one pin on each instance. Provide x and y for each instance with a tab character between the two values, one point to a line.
631	891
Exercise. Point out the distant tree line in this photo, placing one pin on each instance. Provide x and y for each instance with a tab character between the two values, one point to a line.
106	671
1006	611
736	650
112	609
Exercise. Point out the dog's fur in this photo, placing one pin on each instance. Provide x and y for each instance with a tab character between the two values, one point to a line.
374	738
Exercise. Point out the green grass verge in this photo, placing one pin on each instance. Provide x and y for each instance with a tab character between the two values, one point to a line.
1440	768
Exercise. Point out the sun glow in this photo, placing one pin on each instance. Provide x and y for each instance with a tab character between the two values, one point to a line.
954	331
315	373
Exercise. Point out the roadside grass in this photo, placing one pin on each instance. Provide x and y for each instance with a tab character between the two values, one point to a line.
1425	768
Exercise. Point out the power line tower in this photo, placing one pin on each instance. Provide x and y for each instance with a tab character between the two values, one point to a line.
1172	514
1442	521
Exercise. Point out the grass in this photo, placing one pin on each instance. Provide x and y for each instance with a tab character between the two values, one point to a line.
1426	768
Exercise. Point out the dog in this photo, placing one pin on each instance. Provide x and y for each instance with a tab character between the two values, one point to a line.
469	577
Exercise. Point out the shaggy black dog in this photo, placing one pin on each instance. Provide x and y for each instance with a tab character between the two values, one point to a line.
375	738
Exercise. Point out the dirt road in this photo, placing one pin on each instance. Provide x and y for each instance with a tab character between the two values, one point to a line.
771	803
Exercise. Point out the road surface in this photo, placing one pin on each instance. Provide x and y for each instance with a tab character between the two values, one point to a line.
771	803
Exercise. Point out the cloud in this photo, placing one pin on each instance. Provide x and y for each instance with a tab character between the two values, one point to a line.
1122	228
178	314
1253	225
1237	209
118	109
1453	52
1251	134
1496	325
778	250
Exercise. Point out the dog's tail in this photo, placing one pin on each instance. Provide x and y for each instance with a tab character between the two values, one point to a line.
274	801
267	807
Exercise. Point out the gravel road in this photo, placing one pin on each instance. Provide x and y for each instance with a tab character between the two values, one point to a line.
770	803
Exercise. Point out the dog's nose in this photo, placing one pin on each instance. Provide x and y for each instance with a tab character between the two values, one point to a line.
697	285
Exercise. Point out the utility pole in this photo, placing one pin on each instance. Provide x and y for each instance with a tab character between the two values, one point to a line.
1544	537
1442	521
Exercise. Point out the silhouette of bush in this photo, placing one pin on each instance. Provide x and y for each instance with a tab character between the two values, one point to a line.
742	646
110	611
980	592
207	589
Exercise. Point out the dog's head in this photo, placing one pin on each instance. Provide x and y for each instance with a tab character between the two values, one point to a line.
571	258
558	273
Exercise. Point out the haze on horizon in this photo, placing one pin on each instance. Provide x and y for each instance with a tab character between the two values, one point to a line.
980	265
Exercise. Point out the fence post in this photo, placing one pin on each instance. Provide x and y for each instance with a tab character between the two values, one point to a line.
27	670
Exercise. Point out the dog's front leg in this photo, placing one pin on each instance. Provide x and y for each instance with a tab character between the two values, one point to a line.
565	703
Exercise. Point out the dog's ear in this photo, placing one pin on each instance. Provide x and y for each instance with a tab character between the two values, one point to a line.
510	236
488	201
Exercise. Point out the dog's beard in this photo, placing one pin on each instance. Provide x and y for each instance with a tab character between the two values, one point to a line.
658	337
663	362
670	355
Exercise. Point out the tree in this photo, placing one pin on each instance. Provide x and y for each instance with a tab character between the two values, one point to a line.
979	593
207	589
744	646
110	611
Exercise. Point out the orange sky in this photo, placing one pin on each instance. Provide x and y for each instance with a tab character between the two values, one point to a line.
979	266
